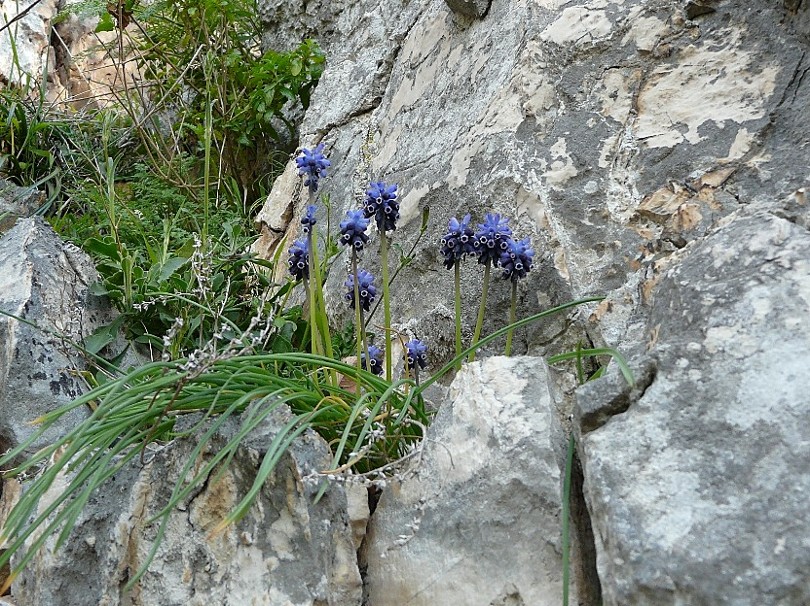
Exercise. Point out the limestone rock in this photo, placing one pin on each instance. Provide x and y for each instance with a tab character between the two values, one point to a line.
601	127
16	202
25	49
470	8
697	481
43	281
479	523
285	551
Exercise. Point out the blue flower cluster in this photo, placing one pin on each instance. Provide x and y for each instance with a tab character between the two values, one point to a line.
308	220
365	285
376	356
458	241
492	244
353	230
516	260
492	238
299	259
415	354
312	165
382	204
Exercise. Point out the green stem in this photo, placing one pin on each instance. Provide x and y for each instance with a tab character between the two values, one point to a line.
386	304
458	308
312	298
313	329
358	316
512	312
479	323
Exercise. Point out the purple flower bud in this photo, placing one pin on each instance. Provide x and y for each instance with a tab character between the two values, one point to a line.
415	353
516	260
458	241
353	230
375	355
492	238
382	204
299	260
365	286
312	165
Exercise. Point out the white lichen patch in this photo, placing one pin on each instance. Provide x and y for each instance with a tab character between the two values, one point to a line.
426	55
706	84
645	32
740	146
409	204
562	167
579	25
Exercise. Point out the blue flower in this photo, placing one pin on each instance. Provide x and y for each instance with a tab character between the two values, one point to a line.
415	353
299	259
375	355
382	204
353	230
516	260
308	220
458	241
492	238
365	285
312	165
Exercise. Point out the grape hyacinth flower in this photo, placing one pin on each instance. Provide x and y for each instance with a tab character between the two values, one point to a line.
516	260
382	204
299	260
366	288
312	165
492	238
415	354
308	220
375	356
458	242
353	230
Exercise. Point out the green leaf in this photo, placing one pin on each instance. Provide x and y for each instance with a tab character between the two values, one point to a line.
103	248
170	267
105	23
103	336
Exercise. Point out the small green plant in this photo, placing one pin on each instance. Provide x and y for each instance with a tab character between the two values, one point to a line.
579	355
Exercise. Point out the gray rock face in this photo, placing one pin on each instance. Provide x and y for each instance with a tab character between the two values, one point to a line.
479	523
471	8
613	133
43	281
15	203
285	551
698	489
628	138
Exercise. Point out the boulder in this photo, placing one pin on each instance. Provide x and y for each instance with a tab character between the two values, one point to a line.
478	520
287	550
697	481
44	285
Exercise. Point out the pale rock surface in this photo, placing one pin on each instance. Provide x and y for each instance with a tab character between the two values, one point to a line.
43	281
479	523
697	481
25	47
55	41
287	551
